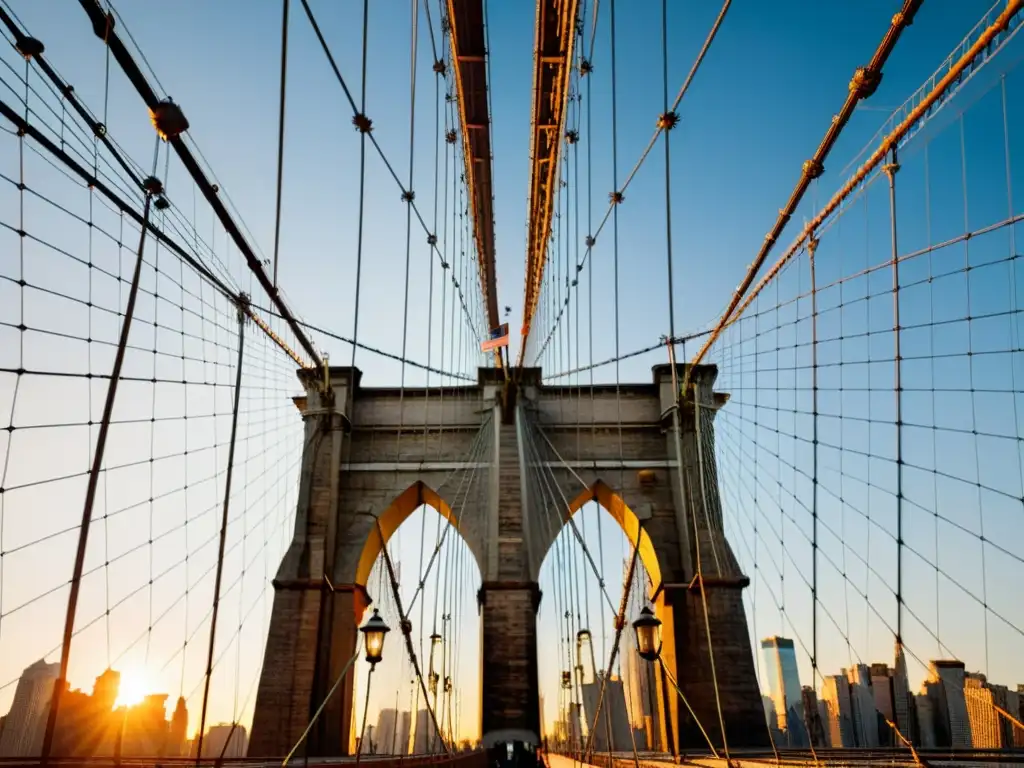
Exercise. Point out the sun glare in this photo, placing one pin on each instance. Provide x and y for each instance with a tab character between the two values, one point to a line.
134	687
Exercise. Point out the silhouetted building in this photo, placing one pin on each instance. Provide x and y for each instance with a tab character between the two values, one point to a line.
145	729
925	706
613	729
26	719
784	685
812	717
87	726
882	690
177	733
228	739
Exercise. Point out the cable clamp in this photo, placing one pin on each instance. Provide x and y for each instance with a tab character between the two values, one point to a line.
451	136
408	195
865	82
29	47
362	123
168	119
813	168
616	197
668	121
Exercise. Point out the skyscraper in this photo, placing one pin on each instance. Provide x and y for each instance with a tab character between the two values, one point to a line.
945	686
835	693
179	727
882	690
784	684
23	729
862	701
902	699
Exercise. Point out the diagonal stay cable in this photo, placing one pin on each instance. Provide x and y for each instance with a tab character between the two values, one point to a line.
863	84
665	123
477	449
568	518
363	123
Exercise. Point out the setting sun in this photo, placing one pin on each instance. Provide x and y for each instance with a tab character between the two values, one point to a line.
134	687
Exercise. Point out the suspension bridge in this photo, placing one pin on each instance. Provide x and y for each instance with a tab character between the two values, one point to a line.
409	532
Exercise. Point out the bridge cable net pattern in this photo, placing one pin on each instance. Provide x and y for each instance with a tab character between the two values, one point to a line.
139	325
583	604
127	314
869	456
868	464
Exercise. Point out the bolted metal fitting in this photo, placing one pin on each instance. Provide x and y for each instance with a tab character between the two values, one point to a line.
572	137
431	239
161	203
408	196
152	185
865	81
668	121
451	136
813	168
615	198
168	119
29	47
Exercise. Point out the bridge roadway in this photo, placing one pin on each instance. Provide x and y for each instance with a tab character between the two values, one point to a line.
759	758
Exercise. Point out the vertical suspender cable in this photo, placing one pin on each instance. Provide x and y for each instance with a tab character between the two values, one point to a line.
280	134
94	474
223	532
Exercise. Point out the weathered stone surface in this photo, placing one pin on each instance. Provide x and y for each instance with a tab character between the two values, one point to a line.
367	448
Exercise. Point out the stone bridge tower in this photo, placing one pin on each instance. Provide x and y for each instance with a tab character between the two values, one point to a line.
374	455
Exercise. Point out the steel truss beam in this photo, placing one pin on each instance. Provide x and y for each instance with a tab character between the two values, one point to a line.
552	65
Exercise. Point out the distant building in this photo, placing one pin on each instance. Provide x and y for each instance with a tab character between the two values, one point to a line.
784	685
903	703
145	729
393	732
613	728
229	739
882	690
812	716
87	725
23	730
862	701
945	686
424	736
989	728
177	733
925	706
835	693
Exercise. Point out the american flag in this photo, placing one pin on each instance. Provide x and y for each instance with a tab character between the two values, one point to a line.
498	338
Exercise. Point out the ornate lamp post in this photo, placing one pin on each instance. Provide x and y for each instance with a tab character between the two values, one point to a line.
374	631
648	635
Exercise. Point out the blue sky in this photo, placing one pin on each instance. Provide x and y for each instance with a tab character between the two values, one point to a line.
755	112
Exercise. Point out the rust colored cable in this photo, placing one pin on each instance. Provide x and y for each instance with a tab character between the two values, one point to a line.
864	82
1012	9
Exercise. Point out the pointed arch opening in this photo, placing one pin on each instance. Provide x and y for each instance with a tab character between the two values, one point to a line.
583	585
436	576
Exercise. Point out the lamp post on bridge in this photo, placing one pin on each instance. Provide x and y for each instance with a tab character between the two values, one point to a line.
374	631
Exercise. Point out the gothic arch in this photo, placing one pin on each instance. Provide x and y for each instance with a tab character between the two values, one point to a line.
628	521
397	512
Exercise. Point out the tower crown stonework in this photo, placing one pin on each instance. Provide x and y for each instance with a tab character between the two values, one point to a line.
639	450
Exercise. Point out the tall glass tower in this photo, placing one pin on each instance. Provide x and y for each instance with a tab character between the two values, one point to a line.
784	685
